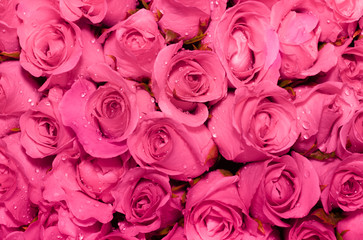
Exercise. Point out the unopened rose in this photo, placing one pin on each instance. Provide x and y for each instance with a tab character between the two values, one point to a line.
180	151
50	45
133	45
279	188
246	44
144	196
184	80
270	128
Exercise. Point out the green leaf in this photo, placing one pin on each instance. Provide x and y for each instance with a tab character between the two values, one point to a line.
331	219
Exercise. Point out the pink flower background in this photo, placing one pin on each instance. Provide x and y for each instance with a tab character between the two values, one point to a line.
181	120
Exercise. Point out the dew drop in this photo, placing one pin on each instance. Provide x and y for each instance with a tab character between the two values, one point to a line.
307	174
15	207
93	40
347	92
83	94
305	136
185	166
298	204
30	100
166	63
214	135
306	125
328	21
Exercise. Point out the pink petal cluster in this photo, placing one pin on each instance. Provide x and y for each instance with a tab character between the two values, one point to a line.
181	120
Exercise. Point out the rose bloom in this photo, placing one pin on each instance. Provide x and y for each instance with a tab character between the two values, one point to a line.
16	208
94	11
43	133
351	135
309	227
49	44
299	32
133	45
345	10
331	26
214	210
270	128
350	65
145	197
170	147
280	188
82	183
184	80
17	94
57	223
322	110
350	228
246	44
195	15
102	117
341	181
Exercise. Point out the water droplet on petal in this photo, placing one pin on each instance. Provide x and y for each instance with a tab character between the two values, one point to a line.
83	94
306	125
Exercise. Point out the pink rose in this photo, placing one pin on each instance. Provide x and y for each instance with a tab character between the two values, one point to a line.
309	227
299	33
66	181
214	210
184	80
346	11
246	44
102	117
351	135
16	209
17	94
350	228
98	176
58	223
195	14
92	53
42	131
144	196
8	39
117	235
133	45
49	44
8	13
350	65
170	147
117	11
94	10
176	233
254	124
342	183
279	189
322	110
